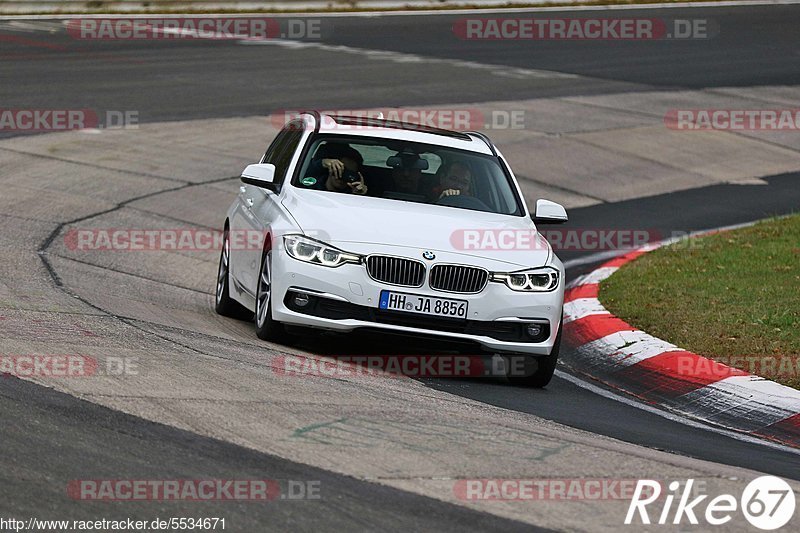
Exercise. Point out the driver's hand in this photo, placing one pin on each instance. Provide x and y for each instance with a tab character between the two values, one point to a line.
449	192
358	187
334	166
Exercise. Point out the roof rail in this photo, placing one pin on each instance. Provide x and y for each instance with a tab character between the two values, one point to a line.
384	123
484	138
317	117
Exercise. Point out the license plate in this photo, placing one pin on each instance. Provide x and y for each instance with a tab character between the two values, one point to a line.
425	305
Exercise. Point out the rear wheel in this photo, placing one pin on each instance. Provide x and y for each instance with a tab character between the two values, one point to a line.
223	303
534	372
267	328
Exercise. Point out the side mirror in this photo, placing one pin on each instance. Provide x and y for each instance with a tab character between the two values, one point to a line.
548	212
260	175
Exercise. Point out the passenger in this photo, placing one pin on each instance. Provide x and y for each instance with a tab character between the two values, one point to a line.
338	166
455	181
407	170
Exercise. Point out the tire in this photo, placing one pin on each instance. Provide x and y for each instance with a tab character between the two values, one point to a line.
538	370
223	303
267	328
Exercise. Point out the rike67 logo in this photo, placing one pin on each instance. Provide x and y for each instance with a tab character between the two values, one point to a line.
767	502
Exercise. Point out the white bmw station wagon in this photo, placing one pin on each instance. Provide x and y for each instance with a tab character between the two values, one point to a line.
369	223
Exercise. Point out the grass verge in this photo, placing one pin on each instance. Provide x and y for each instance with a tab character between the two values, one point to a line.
732	296
334	6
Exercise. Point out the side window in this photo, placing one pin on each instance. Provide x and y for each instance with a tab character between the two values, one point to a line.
282	149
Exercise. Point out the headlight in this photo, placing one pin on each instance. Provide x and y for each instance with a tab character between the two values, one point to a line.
311	251
534	280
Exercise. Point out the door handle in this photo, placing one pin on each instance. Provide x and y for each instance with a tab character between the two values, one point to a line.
249	202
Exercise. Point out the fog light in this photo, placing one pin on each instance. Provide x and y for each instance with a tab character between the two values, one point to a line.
301	299
533	330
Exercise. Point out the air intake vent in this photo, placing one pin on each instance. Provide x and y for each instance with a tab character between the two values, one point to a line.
456	278
396	270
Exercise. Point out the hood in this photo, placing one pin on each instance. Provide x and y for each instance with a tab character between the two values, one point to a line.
343	219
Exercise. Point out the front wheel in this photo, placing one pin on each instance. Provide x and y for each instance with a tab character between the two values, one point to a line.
533	372
223	303
267	328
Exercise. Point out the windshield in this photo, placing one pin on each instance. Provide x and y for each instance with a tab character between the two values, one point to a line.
408	172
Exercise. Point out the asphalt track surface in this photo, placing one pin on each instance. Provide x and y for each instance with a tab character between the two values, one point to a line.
171	81
168	80
89	438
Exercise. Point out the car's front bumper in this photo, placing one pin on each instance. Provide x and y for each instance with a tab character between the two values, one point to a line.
351	298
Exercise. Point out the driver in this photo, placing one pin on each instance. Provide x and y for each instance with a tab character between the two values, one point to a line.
455	181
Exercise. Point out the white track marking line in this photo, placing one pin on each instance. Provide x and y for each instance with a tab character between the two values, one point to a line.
670	416
29	26
384	55
401	57
594	258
